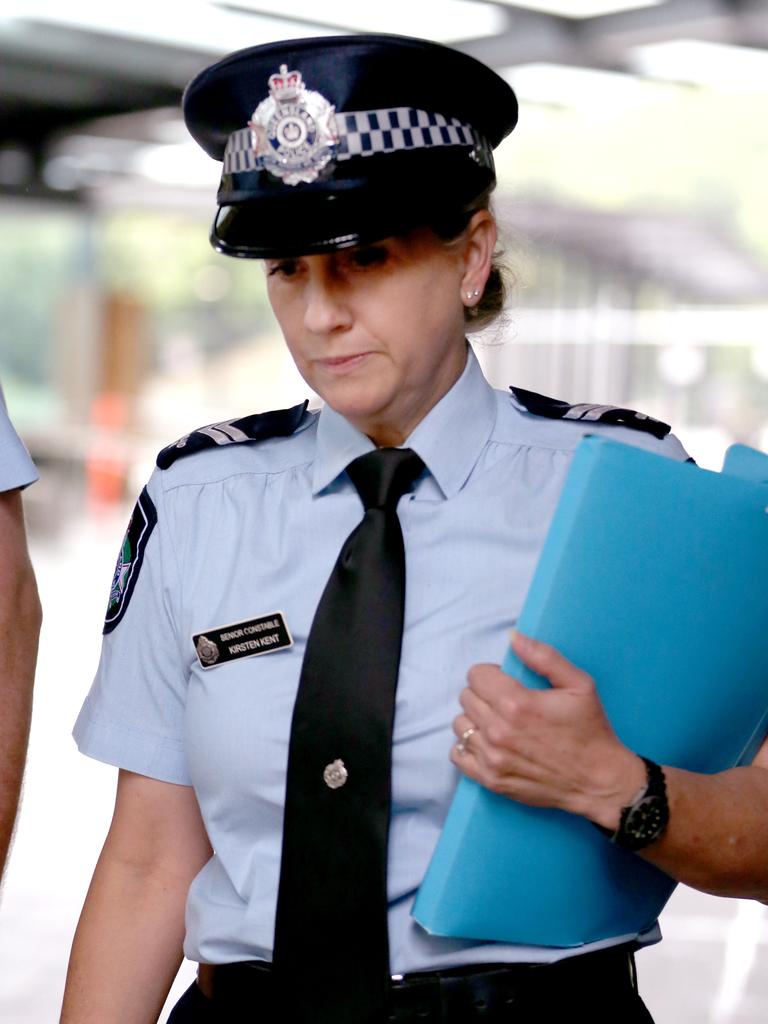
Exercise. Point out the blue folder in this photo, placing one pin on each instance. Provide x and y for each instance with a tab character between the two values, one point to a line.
654	579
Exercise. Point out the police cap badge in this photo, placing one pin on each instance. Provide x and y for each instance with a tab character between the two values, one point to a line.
340	140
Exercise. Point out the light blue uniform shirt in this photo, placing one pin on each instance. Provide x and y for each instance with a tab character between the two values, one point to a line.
249	529
16	467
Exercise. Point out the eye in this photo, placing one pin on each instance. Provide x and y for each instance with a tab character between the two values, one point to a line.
282	268
369	256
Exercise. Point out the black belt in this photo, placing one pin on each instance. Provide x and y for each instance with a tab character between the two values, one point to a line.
478	992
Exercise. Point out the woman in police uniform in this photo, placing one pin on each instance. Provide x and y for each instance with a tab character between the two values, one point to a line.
358	169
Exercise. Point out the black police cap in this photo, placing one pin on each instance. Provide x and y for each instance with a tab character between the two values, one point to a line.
342	140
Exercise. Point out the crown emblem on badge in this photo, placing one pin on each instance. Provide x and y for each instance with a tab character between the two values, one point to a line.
293	131
285	85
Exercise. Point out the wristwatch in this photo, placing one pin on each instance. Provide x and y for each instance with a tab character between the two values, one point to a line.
643	821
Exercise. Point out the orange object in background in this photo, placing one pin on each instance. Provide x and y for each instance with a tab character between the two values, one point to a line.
122	355
106	462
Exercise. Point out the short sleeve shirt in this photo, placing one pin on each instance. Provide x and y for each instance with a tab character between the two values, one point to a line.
247	530
16	467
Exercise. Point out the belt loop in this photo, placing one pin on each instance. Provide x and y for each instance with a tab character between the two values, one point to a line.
452	991
481	996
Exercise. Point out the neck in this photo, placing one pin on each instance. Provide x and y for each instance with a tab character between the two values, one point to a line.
387	434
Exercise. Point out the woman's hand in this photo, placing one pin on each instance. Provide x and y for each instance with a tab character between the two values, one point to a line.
556	748
552	748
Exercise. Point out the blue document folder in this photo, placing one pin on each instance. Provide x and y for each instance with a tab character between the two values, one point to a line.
654	579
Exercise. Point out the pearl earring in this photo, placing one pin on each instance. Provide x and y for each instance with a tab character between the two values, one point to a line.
473	294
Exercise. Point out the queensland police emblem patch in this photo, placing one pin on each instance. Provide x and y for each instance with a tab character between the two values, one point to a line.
293	131
140	526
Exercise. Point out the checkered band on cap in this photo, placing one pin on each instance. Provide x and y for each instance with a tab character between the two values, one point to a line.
367	133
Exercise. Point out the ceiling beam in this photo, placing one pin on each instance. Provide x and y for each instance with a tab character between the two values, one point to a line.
61	48
605	41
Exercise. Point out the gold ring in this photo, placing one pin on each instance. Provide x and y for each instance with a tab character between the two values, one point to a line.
461	746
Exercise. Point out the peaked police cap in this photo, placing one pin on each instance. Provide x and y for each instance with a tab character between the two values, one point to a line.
342	140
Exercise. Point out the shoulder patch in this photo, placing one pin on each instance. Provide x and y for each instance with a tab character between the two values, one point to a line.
554	409
140	527
258	427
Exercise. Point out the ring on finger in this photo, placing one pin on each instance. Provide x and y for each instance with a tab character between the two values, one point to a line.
462	745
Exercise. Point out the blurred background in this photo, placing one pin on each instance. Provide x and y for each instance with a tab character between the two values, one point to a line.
635	215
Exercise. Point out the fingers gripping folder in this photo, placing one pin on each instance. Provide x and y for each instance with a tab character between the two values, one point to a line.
653	580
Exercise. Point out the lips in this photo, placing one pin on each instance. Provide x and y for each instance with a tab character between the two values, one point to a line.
338	363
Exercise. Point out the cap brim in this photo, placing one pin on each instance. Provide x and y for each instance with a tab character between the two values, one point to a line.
288	222
252	231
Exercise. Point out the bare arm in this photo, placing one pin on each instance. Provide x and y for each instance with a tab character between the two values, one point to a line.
717	839
20	618
128	943
556	748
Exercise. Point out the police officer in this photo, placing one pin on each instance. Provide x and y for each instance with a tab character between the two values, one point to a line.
288	743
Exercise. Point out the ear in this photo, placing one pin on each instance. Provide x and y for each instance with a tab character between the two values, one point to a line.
480	241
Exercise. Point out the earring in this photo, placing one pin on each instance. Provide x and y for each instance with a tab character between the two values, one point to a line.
473	294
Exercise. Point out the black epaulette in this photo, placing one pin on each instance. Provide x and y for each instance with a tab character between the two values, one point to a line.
554	409
258	427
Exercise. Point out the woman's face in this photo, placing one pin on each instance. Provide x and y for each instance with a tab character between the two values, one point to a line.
378	331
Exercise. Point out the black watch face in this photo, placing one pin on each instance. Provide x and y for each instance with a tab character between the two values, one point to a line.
646	820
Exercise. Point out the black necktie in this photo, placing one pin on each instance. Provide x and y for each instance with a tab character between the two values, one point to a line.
331	955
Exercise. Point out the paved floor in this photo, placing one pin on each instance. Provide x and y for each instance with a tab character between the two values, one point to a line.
711	967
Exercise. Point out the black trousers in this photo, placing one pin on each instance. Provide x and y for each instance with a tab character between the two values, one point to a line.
613	999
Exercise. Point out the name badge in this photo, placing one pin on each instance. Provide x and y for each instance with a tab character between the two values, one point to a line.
221	644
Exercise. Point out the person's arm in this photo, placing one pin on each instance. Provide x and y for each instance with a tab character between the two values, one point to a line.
128	944
556	748
20	618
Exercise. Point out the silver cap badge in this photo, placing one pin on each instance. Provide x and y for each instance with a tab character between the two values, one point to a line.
293	132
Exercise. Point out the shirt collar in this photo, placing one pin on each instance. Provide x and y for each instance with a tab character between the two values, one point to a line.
338	443
449	439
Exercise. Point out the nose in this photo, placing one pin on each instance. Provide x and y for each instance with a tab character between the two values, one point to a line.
326	303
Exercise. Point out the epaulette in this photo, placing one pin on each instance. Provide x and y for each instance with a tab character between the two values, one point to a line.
554	409
257	427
